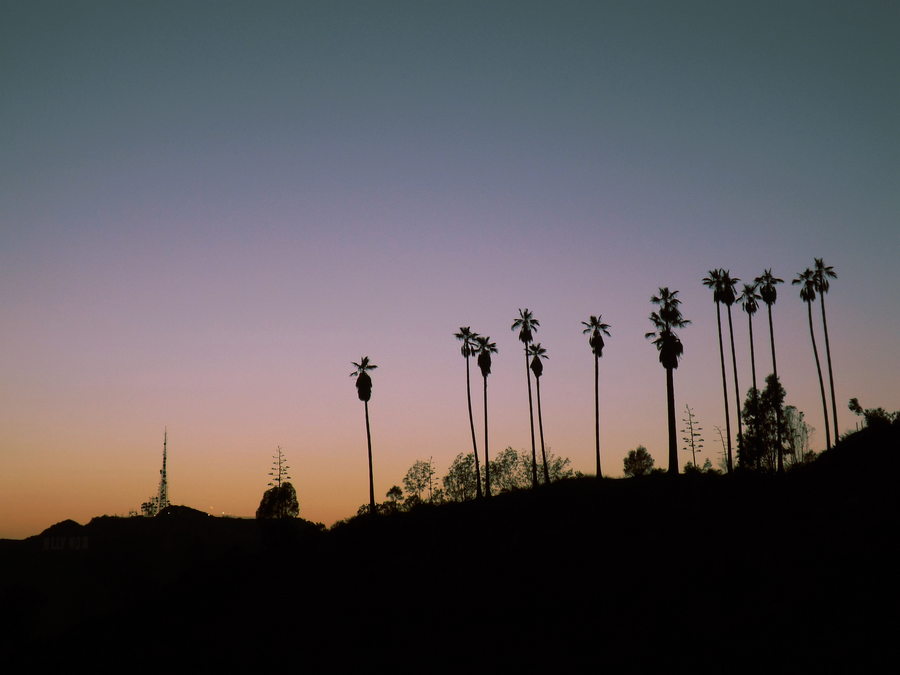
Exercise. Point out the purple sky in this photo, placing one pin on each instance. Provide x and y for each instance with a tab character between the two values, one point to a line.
208	210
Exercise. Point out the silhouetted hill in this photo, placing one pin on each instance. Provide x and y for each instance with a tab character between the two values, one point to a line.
739	573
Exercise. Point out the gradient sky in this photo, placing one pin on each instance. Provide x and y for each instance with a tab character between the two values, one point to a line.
209	209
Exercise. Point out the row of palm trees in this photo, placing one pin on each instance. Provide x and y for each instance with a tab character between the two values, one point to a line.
535	354
665	320
723	286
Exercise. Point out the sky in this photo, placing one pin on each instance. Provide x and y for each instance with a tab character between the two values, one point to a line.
208	210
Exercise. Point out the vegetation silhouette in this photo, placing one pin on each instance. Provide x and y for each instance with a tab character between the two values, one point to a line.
670	350
597	329
468	349
729	297
280	500
537	367
748	299
714	281
364	391
822	274
528	325
766	284
692	440
638	462
807	282
484	348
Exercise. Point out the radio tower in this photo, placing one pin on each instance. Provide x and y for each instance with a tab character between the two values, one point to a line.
162	499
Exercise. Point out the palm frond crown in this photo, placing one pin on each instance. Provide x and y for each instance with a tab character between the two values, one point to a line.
766	284
527	325
596	328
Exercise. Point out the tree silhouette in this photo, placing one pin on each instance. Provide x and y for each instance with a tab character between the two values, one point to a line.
766	284
749	302
638	463
527	326
729	297
596	328
484	349
364	391
670	350
714	281
537	367
822	274
280	500
468	348
807	282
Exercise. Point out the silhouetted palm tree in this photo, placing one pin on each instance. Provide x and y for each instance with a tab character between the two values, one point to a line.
766	284
714	281
527	326
596	328
364	391
484	349
822	285
537	353
729	297
468	348
807	282
749	302
670	350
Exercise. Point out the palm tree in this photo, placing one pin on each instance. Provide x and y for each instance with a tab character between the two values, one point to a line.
538	353
484	349
670	350
749	302
468	348
766	284
822	274
596	328
714	281
807	282
528	326
729	297
364	391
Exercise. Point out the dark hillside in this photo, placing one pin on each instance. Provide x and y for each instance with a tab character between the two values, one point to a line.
580	572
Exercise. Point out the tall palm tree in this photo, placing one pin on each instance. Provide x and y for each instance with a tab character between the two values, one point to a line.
714	281
822	274
528	325
766	284
807	282
670	350
749	302
484	349
596	328
537	353
364	391
729	297
467	350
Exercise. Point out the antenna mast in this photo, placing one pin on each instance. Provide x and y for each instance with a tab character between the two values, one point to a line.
162	499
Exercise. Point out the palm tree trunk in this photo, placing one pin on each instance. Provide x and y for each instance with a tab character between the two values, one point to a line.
372	510
597	410
737	388
673	442
778	409
534	480
724	388
830	376
478	494
487	461
537	381
752	353
821	382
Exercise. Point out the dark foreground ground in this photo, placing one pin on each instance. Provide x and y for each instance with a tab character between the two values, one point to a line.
720	574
